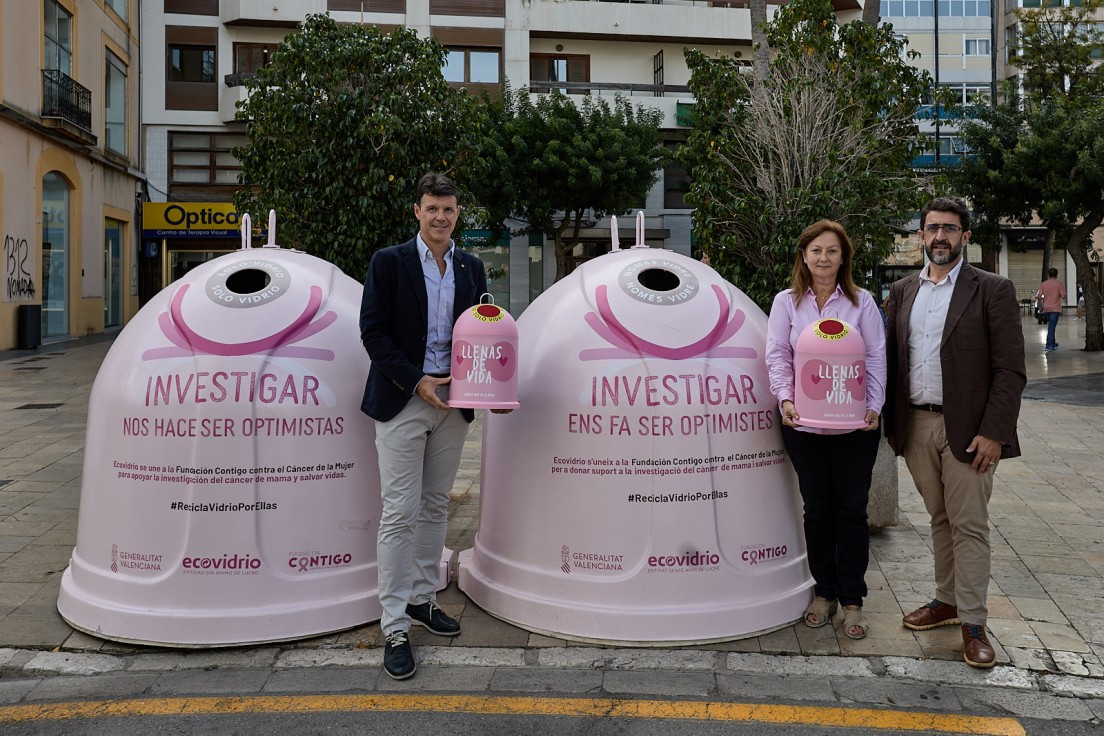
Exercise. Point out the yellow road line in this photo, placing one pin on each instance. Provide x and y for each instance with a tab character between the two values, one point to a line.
891	720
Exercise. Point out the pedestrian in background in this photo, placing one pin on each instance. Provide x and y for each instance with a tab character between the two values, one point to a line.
956	372
1052	292
413	294
833	466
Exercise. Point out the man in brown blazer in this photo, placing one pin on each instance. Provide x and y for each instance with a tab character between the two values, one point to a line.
956	372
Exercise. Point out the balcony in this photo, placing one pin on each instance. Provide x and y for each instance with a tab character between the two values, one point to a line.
670	99
67	106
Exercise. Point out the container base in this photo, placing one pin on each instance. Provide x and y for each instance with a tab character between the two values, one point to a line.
461	404
828	424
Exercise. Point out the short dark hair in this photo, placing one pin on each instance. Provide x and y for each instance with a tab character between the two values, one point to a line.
1053	272
947	204
435	184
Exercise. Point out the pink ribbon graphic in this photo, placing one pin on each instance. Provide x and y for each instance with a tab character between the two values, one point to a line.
188	342
628	345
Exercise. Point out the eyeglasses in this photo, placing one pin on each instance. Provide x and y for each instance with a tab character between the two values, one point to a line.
932	229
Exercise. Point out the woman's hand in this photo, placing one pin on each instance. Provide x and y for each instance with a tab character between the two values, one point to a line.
871	420
789	414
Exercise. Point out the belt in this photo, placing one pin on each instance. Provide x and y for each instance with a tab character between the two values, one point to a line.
933	408
438	375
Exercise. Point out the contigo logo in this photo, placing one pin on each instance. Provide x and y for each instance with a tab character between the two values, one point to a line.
177	216
305	561
760	553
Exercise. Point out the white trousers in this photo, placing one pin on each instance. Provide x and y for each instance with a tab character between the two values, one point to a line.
419	454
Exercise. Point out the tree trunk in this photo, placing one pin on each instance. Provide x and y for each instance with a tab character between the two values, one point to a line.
872	10
1048	255
761	61
1086	276
561	248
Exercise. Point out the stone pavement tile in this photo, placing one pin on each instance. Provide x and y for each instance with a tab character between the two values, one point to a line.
482	634
750	644
33	631
13	528
79	641
1074	687
1085	587
1000	606
1023	704
11	545
783	641
894	644
944	643
677	684
1081	664
539	641
362	636
819	641
543	680
1036	660
825	667
58	536
1096	705
209	682
13	691
322	680
628	659
206	659
769	689
436	679
1065	565
119	685
895	694
1058	636
1014	633
73	663
315	658
958	673
15	594
38	513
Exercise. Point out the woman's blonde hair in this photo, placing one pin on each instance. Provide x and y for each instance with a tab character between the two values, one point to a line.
802	278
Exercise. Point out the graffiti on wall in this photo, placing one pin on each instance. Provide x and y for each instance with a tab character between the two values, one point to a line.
19	283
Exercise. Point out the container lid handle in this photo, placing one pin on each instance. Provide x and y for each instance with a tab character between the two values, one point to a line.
271	230
640	230
486	295
613	233
246	231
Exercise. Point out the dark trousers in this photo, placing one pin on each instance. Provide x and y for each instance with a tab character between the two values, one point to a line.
833	473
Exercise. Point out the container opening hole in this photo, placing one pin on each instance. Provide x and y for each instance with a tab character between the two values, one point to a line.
247	281
658	279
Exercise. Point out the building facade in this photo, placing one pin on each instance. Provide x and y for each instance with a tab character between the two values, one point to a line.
70	167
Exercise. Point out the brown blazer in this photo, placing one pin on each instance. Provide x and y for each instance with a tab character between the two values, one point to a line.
982	357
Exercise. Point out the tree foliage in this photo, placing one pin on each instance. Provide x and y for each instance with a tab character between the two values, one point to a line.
555	165
1041	154
342	123
829	133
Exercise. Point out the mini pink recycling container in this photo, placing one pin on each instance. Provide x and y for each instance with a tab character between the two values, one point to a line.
641	495
230	491
830	375
484	359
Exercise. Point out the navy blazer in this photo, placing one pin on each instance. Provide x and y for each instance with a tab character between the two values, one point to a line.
394	322
982	357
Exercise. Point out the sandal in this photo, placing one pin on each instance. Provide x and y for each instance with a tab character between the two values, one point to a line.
853	619
820	612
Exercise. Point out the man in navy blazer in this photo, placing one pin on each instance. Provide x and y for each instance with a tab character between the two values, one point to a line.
413	294
956	372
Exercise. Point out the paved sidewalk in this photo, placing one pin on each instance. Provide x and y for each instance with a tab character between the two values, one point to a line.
1046	598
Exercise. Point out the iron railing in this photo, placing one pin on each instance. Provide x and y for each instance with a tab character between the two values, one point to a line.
63	97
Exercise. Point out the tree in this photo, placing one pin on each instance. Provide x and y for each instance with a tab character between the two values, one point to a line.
829	133
1041	153
342	123
558	164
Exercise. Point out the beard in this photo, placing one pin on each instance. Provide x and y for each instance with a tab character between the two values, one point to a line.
954	251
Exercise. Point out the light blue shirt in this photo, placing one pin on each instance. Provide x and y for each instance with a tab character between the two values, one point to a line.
440	295
926	322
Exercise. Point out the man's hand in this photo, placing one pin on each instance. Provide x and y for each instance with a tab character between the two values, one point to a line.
427	390
988	453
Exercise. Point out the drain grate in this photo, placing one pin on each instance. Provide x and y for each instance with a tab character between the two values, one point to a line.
40	406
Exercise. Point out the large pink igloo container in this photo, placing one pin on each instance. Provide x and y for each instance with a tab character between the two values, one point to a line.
230	492
641	494
484	359
830	381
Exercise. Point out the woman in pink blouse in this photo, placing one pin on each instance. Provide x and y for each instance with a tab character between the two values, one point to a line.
833	465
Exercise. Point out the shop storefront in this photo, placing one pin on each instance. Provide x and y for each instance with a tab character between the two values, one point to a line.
178	236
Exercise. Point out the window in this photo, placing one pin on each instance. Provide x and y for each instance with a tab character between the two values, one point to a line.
115	103
250	58
1010	43
908	8
676	180
964	8
976	46
119	6
474	65
559	68
59	38
191	63
204	158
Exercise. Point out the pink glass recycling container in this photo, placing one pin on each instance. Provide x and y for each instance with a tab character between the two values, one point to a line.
230	492
484	359
830	382
641	494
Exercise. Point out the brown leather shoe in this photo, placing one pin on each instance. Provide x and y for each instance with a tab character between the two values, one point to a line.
931	615
976	649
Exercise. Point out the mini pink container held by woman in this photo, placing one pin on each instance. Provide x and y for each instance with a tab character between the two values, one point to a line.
484	359
230	492
641	494
830	368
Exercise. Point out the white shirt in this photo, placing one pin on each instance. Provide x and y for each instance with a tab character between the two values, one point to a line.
925	335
